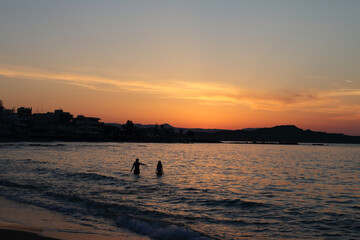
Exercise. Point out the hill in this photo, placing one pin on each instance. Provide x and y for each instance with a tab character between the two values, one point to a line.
284	134
278	134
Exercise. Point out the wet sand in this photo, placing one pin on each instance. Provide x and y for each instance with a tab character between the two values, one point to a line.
20	221
13	231
7	234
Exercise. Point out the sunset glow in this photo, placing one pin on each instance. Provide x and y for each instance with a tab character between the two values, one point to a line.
202	64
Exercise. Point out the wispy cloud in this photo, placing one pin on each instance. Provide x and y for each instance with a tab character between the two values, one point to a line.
328	101
171	88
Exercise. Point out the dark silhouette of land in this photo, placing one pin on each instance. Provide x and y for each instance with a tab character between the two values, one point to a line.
23	125
286	134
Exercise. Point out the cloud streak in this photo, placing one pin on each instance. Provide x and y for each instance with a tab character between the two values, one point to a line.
176	89
327	101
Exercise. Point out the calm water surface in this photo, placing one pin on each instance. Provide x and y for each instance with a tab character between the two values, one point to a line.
208	191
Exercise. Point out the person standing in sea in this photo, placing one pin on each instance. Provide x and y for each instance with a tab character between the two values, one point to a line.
159	169
136	166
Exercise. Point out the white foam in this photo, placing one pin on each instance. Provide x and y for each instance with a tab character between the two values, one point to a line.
157	231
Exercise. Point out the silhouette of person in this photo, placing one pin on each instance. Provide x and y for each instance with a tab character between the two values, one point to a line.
159	169
136	166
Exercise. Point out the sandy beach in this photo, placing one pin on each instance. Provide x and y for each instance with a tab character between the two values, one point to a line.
7	233
20	221
13	231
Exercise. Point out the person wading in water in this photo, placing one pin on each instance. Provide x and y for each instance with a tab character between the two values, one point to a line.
159	169
136	166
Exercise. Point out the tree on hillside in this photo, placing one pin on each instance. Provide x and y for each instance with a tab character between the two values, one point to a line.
129	128
156	130
190	134
1	105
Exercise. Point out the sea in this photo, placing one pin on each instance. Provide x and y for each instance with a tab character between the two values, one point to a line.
208	190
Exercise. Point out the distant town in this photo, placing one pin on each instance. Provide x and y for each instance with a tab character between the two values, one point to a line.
24	125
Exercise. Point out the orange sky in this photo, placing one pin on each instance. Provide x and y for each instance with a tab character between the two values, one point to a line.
196	64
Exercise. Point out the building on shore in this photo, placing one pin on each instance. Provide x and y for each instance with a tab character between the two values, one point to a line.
53	124
89	127
58	125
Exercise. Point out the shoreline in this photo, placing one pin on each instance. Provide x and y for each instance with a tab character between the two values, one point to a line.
14	231
109	141
11	234
20	221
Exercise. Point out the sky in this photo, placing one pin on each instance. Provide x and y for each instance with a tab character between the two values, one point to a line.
204	63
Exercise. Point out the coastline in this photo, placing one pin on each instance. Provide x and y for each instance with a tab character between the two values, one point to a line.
20	234
19	221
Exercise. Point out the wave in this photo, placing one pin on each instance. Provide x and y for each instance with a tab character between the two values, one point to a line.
231	203
122	213
99	145
46	145
32	161
89	176
19	145
159	231
10	184
62	144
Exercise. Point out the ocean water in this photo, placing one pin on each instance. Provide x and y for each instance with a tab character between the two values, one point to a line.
208	191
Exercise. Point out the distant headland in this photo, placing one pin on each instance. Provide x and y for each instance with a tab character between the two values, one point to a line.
23	125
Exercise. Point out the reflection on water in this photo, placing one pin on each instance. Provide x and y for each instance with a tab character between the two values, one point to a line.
219	191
